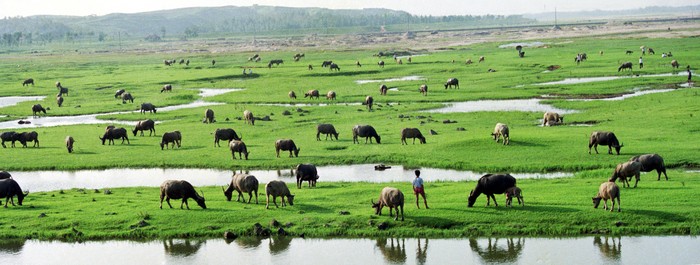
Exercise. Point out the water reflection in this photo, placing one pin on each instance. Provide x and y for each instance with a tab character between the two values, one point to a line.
11	101
393	249
278	245
11	247
181	247
529	105
612	251
422	252
249	242
493	252
571	81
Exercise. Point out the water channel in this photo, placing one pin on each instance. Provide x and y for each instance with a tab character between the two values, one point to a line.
286	250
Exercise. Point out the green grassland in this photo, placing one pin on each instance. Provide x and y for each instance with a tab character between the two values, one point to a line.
663	123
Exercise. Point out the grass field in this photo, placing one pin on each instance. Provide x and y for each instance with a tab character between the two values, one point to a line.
663	123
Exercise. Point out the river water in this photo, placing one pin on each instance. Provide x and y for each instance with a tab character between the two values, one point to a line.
286	250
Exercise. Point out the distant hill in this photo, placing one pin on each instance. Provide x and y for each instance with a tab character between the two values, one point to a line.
647	12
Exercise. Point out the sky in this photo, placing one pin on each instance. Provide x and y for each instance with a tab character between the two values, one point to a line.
13	8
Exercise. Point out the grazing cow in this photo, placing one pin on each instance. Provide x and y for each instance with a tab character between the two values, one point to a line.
514	192
238	146
489	185
25	137
286	145
119	93
326	63
330	95
179	189
383	89
292	95
368	101
306	172
242	183
381	64
248	116
334	66
59	100
312	94
9	188
128	97
5	175
625	171
424	89
327	129
627	65
28	81
115	133
366	131
227	134
411	133
552	118
675	64
209	116
166	88
9	137
174	137
607	191
501	130
604	138
147	107
145	125
38	108
452	82
277	188
69	143
392	198
651	162
481	59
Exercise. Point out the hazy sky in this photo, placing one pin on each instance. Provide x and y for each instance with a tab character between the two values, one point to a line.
419	7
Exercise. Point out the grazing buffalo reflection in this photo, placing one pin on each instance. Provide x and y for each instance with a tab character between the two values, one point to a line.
394	252
278	245
498	253
181	247
609	250
249	242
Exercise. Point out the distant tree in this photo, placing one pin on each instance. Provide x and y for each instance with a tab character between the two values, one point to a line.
191	32
101	36
162	31
152	38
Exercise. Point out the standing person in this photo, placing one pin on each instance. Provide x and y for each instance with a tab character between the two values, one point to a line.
641	63
418	188
690	75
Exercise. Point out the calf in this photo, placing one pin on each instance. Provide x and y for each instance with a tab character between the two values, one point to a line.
277	188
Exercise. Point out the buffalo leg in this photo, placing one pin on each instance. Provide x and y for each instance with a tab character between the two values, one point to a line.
267	202
239	197
397	211
274	200
256	196
618	203
167	199
283	203
494	200
250	197
184	201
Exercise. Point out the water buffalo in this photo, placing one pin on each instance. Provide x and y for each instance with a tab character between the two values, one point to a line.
383	89
238	146
675	64
552	118
312	94
145	125
326	63
481	58
625	171
9	189
452	82
119	93
61	89
292	95
5	175
227	134
248	116
25	137
277	188
242	183
358	64
489	185
607	191
147	107
69	143
365	131
411	133
174	137
392	198
286	145
627	65
28	81
330	95
9	137
209	116
501	130
651	162
166	88
604	138
424	89
59	100
334	66
327	129
38	108
381	64
115	133
369	100
306	172
126	96
179	189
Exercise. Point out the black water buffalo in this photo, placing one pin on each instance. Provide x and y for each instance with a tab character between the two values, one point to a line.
227	134
146	125
239	147
452	82
9	137
61	89
627	65
69	143
327	129
365	131
9	189
369	100
651	162
381	64
166	88
383	89
59	100
489	185
5	175
25	137
334	66
28	81
411	133
209	116
326	63
392	198
38	108
174	137
306	172
115	133
179	189
286	145
126	96
292	95
119	93
148	107
604	138
424	89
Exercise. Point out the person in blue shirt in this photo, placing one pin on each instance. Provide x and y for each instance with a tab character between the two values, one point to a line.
419	189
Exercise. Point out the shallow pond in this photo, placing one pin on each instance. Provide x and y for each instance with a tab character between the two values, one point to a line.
153	177
530	105
11	101
630	95
405	78
286	250
571	81
523	44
